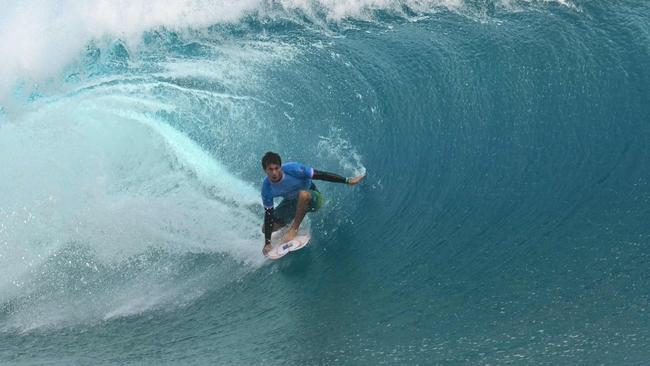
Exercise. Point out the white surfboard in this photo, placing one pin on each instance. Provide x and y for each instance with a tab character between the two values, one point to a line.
280	249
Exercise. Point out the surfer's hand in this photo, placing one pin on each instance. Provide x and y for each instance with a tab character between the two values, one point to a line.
356	180
289	235
267	249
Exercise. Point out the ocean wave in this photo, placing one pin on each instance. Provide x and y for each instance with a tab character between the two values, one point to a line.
41	38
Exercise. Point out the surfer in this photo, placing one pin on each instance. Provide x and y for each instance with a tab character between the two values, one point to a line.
293	182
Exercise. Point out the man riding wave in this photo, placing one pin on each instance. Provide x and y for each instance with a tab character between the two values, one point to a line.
293	182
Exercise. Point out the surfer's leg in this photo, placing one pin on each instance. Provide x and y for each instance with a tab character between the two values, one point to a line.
304	201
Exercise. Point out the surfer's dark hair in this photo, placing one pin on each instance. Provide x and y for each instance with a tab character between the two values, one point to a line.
271	158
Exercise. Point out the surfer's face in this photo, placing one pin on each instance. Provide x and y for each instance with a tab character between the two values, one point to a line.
274	172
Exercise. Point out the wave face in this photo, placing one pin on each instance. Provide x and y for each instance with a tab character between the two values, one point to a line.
504	218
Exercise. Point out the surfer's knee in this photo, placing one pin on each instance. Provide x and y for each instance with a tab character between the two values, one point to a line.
304	195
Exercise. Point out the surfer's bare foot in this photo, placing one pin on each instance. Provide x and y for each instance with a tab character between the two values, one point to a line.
289	235
267	249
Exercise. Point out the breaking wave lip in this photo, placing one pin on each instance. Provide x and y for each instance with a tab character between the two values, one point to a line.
39	38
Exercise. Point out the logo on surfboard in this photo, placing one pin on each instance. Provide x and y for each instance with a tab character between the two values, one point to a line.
280	249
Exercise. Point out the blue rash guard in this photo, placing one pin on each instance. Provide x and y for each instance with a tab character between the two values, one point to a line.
295	178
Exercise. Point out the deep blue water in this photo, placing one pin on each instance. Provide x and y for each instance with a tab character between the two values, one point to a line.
504	218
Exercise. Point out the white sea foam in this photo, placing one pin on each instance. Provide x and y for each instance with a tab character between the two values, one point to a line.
102	173
339	149
97	168
39	38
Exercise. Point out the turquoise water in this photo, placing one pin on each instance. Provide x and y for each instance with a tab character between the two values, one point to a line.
504	218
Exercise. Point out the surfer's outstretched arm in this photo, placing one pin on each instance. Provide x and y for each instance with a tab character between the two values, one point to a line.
333	177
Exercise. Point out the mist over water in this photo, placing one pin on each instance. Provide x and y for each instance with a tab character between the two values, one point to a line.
503	219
